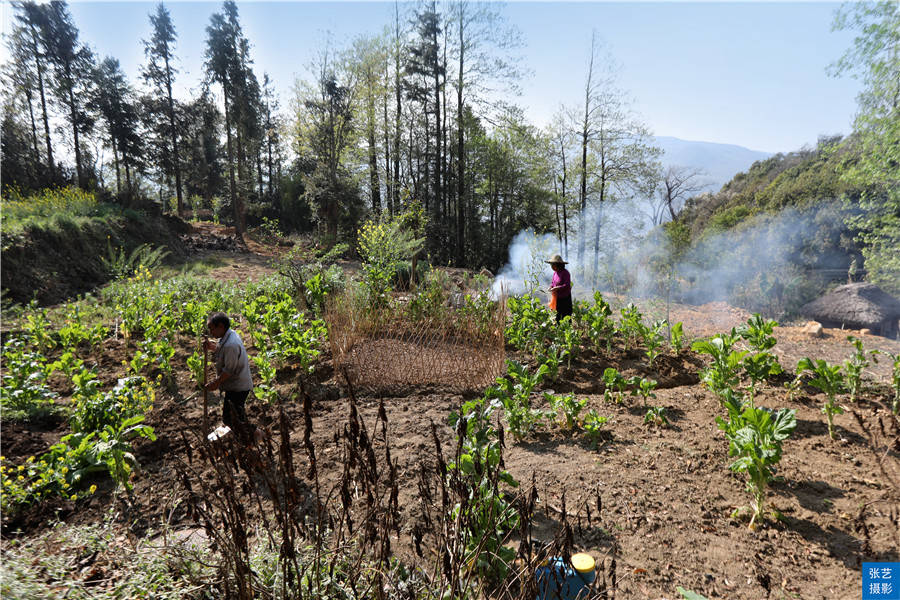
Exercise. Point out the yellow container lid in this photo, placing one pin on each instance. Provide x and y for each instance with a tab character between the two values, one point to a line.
583	563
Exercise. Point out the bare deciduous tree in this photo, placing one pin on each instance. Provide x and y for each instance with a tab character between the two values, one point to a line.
678	184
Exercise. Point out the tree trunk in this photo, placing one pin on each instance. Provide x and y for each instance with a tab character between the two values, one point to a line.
116	165
582	216
40	72
397	117
460	153
29	98
445	143
556	211
242	179
585	134
176	163
438	166
231	183
563	182
259	173
427	182
374	186
74	116
388	184
128	193
269	159
596	274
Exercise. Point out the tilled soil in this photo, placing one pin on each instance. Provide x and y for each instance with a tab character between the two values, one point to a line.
657	499
665	494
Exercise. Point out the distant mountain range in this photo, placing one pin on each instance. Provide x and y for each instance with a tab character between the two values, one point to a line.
720	162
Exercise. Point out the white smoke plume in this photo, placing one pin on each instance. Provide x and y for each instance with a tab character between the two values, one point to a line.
768	263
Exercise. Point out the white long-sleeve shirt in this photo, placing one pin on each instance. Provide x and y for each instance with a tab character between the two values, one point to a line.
231	357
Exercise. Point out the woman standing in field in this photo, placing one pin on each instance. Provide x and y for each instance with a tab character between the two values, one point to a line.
560	288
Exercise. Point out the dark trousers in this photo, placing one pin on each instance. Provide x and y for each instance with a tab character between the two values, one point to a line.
563	307
233	413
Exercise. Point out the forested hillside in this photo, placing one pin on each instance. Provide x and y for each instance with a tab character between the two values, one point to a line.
422	117
792	225
779	234
799	179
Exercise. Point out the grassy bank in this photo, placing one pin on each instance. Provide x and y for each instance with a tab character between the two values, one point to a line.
54	242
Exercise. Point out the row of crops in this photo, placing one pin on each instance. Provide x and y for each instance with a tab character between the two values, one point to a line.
49	353
741	363
55	352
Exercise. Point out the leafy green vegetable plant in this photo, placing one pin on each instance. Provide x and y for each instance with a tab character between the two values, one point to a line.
643	387
266	390
37	328
631	324
613	380
759	367
140	361
758	332
676	337
855	365
486	513
94	410
195	364
792	388
113	448
656	415
755	436
568	406
514	393
63	469
74	332
895	379
593	426
600	326
570	339
531	324
68	364
653	340
828	379
722	374
550	356
24	392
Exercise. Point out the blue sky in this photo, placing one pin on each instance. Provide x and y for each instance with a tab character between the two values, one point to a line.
752	74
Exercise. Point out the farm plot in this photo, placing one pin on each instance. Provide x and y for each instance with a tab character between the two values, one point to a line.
607	426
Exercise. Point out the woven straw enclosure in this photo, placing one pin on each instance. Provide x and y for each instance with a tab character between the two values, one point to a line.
385	351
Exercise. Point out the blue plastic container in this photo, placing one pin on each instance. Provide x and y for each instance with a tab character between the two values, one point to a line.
558	580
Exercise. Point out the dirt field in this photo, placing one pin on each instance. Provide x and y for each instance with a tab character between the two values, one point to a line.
660	498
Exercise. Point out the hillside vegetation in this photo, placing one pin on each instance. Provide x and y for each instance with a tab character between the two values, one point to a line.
779	234
802	179
64	242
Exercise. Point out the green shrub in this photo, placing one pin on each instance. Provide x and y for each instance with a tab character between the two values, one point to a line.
383	245
484	513
122	265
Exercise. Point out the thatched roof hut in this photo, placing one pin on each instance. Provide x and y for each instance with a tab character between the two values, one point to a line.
857	306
